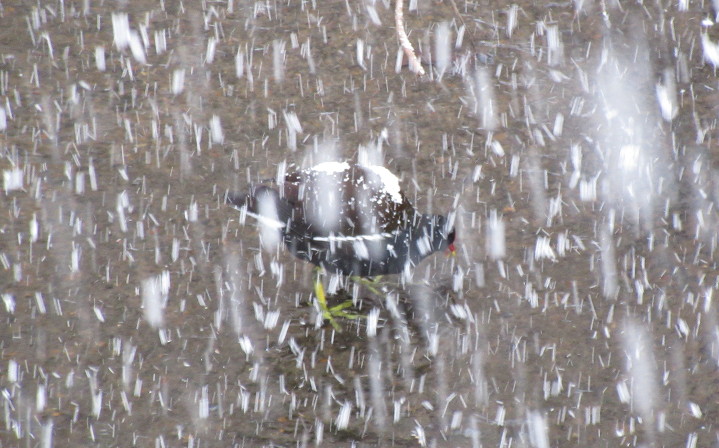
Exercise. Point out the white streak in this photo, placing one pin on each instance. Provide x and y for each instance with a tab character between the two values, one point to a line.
711	51
538	430
269	232
155	292
210	53
355	238
13	179
121	30
136	47
442	48
667	96
278	60
495	243
216	132
178	81
263	220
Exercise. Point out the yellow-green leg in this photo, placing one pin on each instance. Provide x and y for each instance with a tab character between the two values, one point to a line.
369	283
337	310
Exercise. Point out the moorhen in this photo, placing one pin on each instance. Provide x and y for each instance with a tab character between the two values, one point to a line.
348	219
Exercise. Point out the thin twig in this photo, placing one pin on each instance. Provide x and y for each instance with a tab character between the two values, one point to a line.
414	64
459	17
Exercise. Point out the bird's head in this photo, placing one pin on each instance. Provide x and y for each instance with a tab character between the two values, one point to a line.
438	233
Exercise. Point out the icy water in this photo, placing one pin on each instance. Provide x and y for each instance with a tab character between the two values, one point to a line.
572	140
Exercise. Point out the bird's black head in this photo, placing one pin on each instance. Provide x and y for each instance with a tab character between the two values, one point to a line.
436	233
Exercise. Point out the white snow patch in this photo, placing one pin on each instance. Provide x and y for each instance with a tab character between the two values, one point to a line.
331	167
390	182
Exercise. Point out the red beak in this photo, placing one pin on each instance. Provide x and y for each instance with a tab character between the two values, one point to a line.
451	250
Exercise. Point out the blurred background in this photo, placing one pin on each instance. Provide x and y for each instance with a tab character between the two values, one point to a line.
573	141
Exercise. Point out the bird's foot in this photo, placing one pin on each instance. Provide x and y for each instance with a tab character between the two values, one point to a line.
372	283
336	311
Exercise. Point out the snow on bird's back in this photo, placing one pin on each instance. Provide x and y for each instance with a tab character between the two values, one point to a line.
330	167
390	182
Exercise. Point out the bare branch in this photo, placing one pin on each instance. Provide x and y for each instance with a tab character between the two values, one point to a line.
414	64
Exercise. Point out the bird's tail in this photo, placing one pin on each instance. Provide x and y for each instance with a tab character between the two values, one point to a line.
236	200
250	200
263	204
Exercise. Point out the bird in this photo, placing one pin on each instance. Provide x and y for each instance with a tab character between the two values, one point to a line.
348	219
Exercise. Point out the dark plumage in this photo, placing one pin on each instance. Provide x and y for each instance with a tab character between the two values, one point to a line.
350	219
